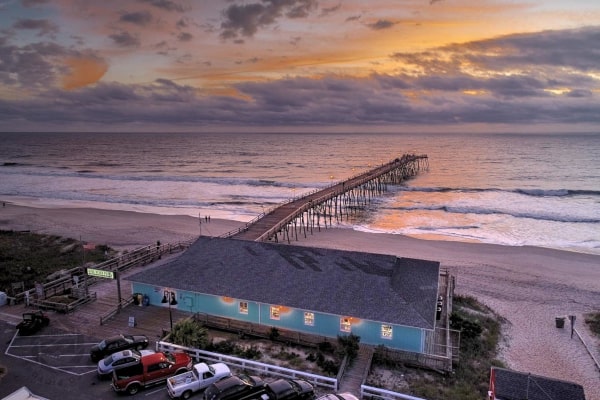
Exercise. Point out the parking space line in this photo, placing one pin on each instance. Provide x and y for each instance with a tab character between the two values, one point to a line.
44	365
33	358
53	345
62	334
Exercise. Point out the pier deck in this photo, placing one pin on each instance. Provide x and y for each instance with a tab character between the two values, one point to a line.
322	206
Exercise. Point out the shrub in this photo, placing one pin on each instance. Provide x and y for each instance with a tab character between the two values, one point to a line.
273	333
190	333
349	346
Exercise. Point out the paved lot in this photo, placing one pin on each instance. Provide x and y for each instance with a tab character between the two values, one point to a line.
61	351
56	365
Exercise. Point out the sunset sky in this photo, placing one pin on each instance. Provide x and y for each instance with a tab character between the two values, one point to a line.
295	65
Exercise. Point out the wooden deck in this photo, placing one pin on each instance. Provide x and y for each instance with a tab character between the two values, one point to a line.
149	320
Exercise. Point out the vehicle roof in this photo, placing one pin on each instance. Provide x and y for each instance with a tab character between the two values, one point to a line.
156	357
229	382
280	385
123	354
338	396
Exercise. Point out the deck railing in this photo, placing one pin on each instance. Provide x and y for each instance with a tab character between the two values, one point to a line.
249	365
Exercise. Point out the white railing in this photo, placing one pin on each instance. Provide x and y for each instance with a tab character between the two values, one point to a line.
370	392
268	369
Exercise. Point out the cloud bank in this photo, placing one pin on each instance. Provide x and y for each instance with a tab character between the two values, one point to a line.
549	77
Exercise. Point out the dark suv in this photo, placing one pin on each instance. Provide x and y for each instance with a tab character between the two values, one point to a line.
237	387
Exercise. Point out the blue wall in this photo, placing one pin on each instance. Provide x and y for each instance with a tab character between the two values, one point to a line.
404	338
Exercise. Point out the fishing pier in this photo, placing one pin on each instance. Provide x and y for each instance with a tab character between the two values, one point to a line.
304	214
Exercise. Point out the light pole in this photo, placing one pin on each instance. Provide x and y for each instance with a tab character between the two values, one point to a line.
169	297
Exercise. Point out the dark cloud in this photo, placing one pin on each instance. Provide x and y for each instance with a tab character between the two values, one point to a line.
246	19
165	5
182	23
141	18
381	24
36	66
328	10
353	18
33	3
42	25
444	87
185	37
125	39
566	48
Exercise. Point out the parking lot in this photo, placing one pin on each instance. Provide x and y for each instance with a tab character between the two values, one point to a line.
56	364
61	351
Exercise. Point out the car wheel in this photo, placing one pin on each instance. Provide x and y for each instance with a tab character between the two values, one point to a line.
133	389
139	347
187	394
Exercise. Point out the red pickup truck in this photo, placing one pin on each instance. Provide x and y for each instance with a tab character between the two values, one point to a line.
151	370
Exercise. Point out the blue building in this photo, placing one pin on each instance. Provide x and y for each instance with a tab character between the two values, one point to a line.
384	299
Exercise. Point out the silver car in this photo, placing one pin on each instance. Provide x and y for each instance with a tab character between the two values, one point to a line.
120	359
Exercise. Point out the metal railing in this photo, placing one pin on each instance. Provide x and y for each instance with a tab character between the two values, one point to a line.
370	392
249	365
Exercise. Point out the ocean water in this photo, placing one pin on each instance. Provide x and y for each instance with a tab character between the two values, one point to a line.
510	189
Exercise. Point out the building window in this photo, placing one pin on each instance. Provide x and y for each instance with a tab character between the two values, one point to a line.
309	318
386	331
243	307
275	312
345	325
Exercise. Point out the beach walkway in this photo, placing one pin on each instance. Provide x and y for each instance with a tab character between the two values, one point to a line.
309	212
146	320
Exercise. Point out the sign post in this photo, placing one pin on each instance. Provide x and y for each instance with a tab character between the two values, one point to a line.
572	318
101	273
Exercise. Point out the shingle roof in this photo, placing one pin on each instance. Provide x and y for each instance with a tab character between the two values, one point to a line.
369	286
513	385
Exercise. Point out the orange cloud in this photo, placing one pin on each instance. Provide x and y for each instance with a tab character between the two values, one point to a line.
83	72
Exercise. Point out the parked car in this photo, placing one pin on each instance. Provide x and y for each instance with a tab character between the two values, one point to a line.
289	389
151	370
120	359
32	322
199	378
338	396
237	387
117	343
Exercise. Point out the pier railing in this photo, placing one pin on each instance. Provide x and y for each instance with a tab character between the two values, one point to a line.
395	171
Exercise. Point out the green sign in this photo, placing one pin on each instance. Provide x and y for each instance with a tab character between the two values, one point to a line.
100	273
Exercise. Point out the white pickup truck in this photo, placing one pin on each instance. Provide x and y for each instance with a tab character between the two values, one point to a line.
201	376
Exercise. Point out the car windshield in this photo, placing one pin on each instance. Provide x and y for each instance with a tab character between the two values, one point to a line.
108	360
102	345
170	357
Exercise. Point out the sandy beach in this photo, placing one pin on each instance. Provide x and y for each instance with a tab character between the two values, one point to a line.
528	286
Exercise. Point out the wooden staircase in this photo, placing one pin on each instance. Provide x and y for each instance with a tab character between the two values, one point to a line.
356	373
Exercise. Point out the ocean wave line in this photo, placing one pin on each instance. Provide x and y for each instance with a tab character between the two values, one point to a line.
527	192
490	211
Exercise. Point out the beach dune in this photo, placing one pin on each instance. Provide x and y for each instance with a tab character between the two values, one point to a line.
527	286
